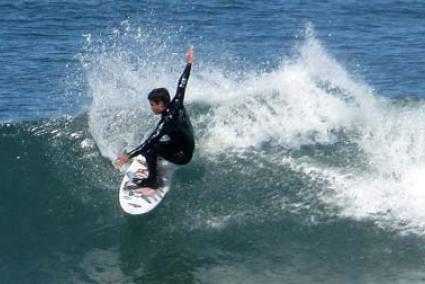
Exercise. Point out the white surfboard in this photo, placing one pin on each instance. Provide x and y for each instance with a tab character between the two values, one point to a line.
135	203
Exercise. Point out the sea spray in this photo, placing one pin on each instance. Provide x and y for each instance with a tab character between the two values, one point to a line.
361	153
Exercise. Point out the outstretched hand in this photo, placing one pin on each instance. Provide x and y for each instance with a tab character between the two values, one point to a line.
121	160
190	55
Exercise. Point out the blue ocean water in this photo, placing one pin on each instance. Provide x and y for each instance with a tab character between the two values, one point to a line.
380	40
310	154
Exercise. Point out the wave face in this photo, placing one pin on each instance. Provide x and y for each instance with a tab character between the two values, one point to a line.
309	116
302	167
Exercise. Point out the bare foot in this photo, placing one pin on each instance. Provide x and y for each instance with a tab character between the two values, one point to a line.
142	173
147	191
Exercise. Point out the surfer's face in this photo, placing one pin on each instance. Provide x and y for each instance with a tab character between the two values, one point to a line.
157	107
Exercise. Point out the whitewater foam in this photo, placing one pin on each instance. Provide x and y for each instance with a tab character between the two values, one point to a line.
308	100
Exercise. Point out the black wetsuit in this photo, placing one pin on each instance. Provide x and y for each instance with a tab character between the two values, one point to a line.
174	123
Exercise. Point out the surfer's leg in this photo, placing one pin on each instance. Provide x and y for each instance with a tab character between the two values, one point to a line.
151	161
172	153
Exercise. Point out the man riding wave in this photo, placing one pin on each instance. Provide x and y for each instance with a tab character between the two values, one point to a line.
174	123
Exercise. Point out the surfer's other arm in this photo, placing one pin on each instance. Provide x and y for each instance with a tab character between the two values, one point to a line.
152	139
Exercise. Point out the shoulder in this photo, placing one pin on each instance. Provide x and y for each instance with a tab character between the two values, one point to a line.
168	113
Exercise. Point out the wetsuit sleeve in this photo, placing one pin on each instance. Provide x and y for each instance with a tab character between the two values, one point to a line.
181	87
152	139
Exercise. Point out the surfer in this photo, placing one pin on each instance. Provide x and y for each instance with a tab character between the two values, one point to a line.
174	124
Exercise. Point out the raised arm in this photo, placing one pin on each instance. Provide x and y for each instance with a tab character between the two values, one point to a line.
181	86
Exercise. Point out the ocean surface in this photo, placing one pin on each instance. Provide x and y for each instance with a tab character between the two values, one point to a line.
309	123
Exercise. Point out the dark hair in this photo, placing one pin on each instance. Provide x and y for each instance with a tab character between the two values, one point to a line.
159	95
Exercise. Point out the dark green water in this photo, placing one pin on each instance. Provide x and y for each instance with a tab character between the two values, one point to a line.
61	223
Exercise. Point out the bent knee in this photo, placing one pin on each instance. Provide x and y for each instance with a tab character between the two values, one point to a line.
183	159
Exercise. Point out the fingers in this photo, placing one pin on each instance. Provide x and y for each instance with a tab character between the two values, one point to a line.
119	162
190	54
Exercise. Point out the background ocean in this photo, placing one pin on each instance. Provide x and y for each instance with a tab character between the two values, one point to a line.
309	119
